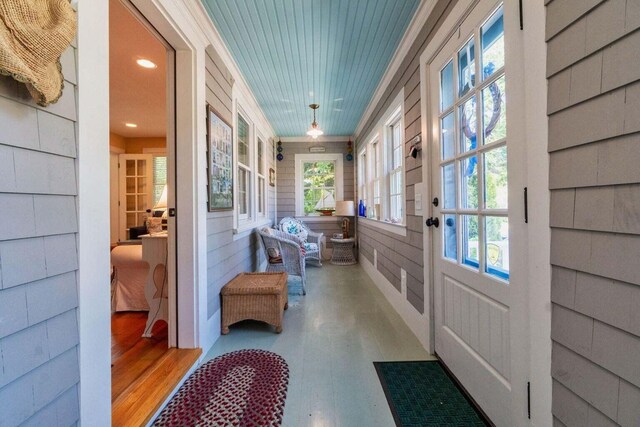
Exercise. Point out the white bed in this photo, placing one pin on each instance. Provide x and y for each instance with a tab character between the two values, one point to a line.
130	275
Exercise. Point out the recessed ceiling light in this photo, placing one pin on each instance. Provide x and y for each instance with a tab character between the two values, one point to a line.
146	63
131	125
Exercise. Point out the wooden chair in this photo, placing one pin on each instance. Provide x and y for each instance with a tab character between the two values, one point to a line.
311	240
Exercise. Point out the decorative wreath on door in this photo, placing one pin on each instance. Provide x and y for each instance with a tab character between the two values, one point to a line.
467	128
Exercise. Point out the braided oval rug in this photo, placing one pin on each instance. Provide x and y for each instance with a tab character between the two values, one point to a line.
242	388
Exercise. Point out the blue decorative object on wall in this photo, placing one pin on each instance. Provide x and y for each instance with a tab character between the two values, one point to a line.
279	156
297	52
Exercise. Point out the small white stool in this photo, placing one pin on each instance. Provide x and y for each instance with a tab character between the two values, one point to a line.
343	252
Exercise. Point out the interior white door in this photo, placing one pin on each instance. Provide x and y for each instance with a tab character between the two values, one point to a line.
470	224
136	190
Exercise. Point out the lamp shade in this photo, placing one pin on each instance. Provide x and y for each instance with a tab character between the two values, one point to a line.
345	208
162	203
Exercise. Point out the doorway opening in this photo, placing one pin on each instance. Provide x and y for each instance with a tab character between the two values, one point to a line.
143	233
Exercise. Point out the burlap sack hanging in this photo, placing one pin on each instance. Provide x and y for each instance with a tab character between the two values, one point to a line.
33	35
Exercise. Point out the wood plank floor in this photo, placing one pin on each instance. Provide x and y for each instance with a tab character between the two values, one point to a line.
145	371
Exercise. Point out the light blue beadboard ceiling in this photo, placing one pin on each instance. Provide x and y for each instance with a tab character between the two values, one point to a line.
297	52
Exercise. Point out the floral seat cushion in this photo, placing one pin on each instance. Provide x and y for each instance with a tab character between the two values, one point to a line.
311	247
295	228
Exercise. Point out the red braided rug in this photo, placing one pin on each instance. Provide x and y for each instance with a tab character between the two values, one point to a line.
242	388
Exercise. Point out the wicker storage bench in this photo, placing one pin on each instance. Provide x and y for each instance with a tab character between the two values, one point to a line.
256	296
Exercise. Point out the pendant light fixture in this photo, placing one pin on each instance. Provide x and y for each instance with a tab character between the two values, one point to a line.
314	131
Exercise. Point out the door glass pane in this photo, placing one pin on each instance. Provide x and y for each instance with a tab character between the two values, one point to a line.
448	136
142	203
131	203
132	220
469	183
492	39
468	128
494	111
142	164
497	247
466	68
446	86
450	237
142	185
495	179
449	184
131	185
470	252
130	166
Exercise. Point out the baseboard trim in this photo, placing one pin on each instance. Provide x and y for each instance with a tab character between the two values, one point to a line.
417	323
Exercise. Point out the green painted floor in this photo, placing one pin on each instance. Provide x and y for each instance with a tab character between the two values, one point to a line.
330	340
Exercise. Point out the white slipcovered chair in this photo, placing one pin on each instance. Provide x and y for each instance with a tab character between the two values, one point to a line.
311	240
284	253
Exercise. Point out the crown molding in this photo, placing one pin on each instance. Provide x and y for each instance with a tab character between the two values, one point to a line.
206	26
411	34
320	139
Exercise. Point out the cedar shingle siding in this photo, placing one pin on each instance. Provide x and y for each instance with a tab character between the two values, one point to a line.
593	71
39	371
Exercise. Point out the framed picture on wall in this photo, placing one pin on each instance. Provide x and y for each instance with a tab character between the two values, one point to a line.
272	177
220	161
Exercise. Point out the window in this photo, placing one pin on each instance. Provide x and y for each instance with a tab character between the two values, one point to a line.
377	176
262	189
396	171
381	180
244	170
473	158
362	176
318	182
159	177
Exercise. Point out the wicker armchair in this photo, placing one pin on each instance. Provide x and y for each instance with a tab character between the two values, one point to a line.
312	241
283	253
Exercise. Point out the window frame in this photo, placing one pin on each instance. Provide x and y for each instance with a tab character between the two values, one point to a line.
378	150
299	160
248	169
461	154
261	179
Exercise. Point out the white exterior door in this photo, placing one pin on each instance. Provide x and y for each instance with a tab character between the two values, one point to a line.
136	190
471	226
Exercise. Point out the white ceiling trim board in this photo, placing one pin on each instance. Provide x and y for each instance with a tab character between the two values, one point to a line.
417	23
200	15
320	139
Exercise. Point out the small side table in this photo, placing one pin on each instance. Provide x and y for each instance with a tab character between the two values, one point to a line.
343	252
154	252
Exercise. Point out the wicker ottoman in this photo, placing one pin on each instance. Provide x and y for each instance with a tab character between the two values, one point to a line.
256	296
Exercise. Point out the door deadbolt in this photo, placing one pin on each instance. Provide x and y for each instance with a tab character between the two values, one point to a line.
433	221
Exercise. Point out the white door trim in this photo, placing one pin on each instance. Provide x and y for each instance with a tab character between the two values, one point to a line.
176	26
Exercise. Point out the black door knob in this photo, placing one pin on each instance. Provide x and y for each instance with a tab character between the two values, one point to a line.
433	221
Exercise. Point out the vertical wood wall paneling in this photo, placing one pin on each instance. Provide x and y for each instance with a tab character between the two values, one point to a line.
39	370
394	251
594	131
227	257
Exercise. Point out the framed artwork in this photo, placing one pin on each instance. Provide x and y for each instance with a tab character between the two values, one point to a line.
220	161
272	177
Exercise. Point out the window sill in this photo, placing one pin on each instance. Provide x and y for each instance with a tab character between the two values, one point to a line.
313	218
399	229
245	230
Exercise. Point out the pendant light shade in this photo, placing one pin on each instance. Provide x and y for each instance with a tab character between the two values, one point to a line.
314	131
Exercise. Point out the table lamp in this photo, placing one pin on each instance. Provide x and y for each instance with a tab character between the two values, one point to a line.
345	208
